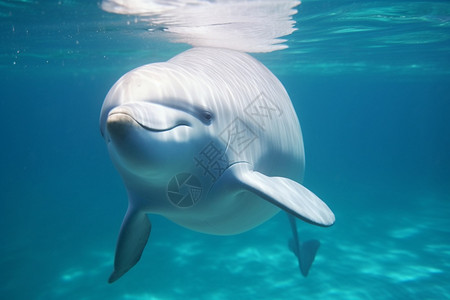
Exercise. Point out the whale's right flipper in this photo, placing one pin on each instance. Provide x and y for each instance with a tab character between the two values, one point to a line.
133	237
305	252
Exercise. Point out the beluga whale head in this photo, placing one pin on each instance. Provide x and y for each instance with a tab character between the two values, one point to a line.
209	140
149	134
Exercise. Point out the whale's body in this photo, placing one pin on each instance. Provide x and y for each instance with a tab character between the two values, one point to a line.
209	140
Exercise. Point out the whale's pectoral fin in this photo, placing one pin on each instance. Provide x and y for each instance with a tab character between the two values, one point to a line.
288	195
305	252
133	237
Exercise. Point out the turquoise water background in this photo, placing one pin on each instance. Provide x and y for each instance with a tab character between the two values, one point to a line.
370	81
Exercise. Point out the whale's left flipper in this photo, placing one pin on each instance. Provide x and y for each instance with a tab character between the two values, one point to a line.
305	252
293	198
285	193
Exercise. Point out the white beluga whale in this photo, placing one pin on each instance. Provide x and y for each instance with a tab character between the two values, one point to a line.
209	140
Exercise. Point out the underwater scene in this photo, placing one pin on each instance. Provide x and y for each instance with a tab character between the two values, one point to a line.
368	80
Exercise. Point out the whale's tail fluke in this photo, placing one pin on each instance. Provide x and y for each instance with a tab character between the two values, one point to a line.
305	252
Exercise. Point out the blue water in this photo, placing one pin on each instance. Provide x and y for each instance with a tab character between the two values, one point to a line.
370	81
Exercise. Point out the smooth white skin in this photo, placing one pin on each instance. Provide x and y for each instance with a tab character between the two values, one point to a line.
157	118
160	122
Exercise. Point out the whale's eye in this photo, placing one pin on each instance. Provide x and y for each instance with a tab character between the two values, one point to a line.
207	117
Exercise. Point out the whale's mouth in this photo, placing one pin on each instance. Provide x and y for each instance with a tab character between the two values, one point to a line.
162	130
150	116
122	116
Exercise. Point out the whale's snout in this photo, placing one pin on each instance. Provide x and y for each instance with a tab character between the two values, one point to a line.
119	126
146	138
